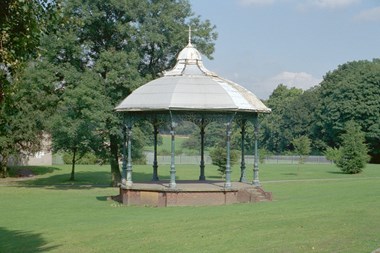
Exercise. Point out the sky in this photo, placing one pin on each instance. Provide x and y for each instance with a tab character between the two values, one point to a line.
263	43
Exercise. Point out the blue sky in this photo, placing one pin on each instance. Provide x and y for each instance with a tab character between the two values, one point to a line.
263	43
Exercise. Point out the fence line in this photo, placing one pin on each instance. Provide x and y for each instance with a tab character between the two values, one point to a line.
249	159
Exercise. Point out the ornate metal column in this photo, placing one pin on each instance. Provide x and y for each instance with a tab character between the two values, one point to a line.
124	166
242	165
129	161
172	184
155	164
256	180
202	176
227	184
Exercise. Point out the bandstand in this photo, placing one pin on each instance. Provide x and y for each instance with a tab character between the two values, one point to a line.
190	92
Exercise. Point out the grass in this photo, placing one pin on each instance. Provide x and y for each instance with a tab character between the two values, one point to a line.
165	147
315	209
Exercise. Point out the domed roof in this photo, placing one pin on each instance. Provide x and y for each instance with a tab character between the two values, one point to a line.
190	86
189	53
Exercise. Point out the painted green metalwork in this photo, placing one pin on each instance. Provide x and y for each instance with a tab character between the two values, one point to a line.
201	119
242	164
202	176
129	161
172	183
256	180
227	184
155	164
124	166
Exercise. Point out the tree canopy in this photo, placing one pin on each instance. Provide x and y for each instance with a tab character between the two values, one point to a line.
22	23
122	44
277	131
351	92
76	126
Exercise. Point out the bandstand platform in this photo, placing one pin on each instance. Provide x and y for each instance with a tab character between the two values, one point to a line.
190	193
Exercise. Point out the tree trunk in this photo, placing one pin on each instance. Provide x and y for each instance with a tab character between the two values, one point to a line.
114	160
72	178
3	166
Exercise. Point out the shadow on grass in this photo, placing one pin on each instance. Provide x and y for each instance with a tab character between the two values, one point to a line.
337	172
83	180
215	177
290	174
102	198
26	171
22	241
87	179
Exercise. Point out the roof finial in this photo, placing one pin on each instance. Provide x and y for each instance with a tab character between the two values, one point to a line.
189	34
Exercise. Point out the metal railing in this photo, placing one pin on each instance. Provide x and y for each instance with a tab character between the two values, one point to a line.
273	159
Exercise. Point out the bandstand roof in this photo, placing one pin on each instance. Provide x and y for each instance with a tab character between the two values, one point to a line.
189	86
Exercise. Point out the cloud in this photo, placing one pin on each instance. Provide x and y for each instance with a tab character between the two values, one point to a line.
256	2
327	4
263	87
369	15
332	4
301	80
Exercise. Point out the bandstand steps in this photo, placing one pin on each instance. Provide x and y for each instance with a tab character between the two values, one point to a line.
254	194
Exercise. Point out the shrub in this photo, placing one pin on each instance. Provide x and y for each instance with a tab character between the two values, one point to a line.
263	153
332	154
219	158
302	147
353	152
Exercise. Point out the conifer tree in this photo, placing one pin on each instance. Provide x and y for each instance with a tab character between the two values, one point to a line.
353	152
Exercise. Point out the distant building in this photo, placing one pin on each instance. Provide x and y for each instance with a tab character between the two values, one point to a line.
42	157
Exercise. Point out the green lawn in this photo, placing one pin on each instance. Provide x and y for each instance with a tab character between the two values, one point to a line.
165	147
315	209
166	144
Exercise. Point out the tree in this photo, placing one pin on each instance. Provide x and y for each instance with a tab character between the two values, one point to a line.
23	114
76	125
351	92
127	43
332	154
302	147
276	137
353	152
214	132
22	23
218	156
300	118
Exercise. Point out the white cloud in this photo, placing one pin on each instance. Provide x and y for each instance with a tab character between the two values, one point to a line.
334	3
327	4
256	2
301	80
369	15
263	87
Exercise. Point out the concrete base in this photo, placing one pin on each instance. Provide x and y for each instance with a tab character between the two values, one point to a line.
190	193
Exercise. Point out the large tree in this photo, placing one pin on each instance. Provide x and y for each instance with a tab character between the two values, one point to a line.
351	92
24	112
75	127
22	23
127	43
277	133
